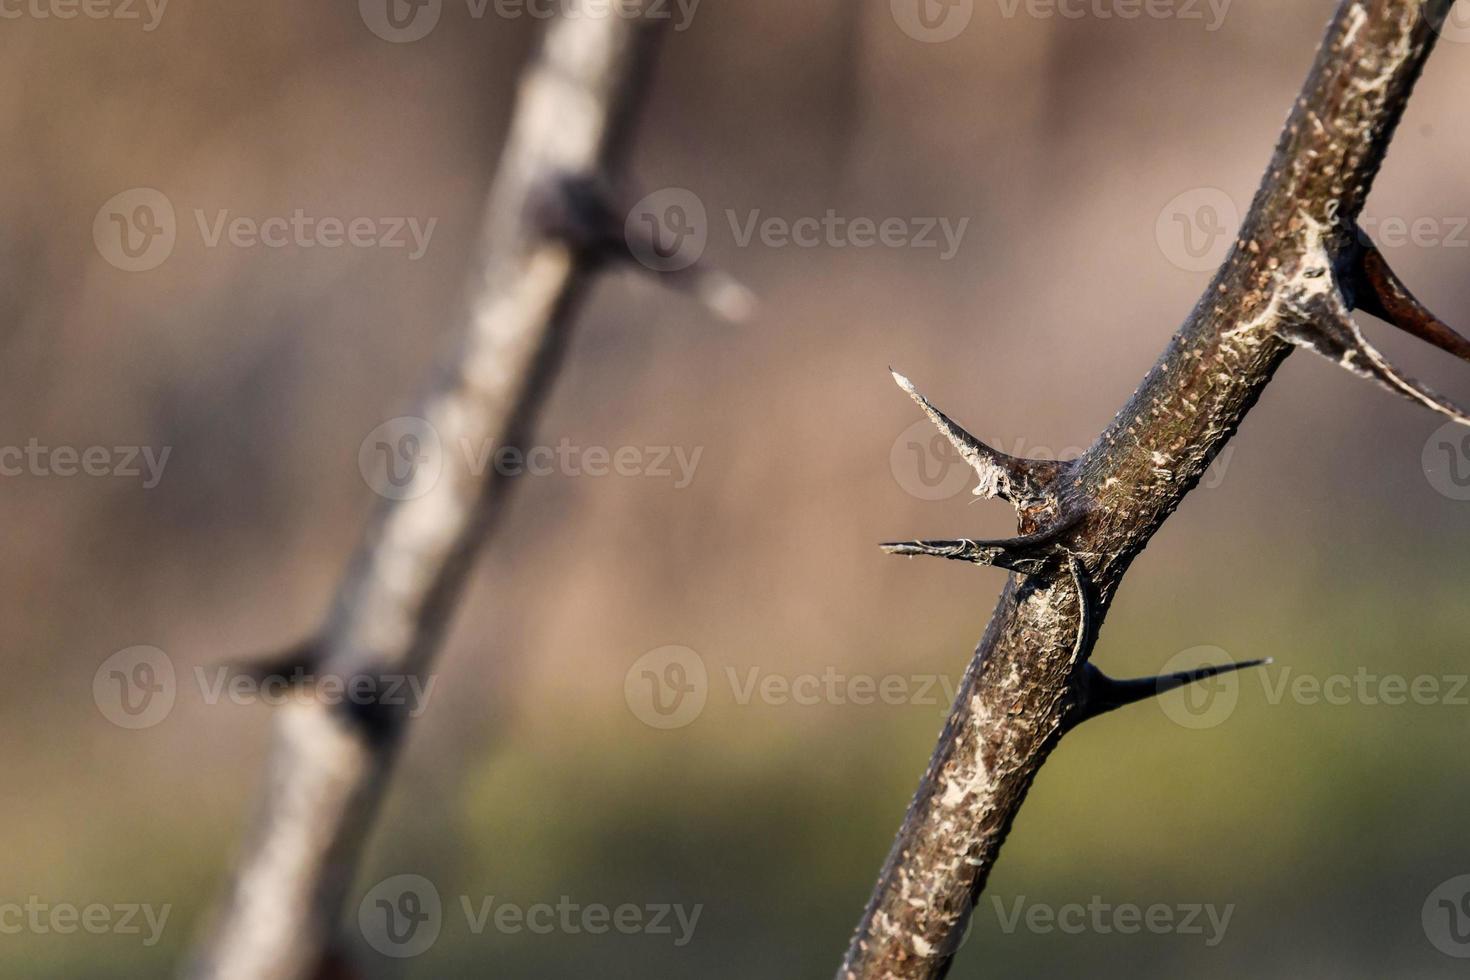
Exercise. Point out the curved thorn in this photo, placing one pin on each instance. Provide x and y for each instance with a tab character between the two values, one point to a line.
1104	694
1084	607
1001	475
714	289
1325	325
1381	293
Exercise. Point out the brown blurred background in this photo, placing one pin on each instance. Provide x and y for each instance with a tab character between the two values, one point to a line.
1323	827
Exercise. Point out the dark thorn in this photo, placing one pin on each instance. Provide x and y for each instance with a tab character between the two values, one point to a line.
1029	554
1382	294
1103	694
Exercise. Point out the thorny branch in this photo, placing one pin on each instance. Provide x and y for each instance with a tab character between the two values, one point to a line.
1298	269
549	226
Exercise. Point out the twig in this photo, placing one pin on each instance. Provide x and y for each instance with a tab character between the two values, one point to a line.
1291	279
329	765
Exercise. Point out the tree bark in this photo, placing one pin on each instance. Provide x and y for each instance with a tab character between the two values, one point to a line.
1298	269
329	764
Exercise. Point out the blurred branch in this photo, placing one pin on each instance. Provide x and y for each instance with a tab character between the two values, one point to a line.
329	764
1291	279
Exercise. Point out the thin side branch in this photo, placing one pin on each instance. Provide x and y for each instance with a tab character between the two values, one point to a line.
328	766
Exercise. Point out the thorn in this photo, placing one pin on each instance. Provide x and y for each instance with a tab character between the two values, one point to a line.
1382	294
295	664
1324	324
1085	607
1104	694
717	291
1007	477
581	212
1029	554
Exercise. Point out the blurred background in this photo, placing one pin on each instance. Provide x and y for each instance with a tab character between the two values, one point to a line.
1094	162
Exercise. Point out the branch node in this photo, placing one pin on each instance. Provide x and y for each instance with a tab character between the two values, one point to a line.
582	211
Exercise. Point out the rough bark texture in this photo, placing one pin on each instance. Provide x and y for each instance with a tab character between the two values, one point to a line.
328	765
1293	277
